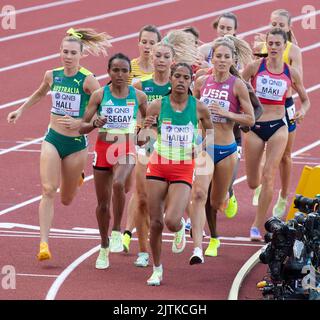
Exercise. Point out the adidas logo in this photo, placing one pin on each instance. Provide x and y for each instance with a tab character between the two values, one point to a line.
109	103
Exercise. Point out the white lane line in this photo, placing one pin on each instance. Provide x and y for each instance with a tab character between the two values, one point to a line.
37	275
135	34
267	27
304	49
86	20
19	146
41	6
243	272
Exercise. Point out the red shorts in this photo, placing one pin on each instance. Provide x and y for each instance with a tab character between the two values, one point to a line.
107	154
171	171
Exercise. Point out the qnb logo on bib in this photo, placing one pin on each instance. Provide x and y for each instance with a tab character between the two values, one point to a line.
177	136
66	103
222	103
118	117
270	88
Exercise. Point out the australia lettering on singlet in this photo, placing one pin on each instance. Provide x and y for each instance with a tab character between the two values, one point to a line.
270	88
66	101
118	117
177	136
220	97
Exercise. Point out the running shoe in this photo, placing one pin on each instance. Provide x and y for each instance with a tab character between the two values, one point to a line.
212	250
81	180
156	276
232	207
142	260
102	261
255	199
188	224
255	234
44	253
116	242
179	240
197	256
280	207
126	239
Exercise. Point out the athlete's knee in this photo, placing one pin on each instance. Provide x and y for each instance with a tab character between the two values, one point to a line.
49	190
216	204
268	178
104	208
286	158
118	186
156	225
66	199
199	195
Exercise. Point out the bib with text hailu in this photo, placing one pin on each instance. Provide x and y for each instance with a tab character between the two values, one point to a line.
177	136
66	103
118	117
271	89
220	97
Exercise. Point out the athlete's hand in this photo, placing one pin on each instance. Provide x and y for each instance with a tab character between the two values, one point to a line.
14	116
150	121
99	122
299	116
216	109
69	122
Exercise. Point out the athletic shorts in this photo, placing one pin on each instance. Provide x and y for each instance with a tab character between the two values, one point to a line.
265	130
107	154
66	145
218	153
170	171
290	111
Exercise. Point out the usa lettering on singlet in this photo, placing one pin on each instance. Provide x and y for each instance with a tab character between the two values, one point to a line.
210	96
177	136
269	88
66	103
118	117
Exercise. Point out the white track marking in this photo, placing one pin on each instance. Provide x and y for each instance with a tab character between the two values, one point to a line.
41	7
135	34
86	20
37	275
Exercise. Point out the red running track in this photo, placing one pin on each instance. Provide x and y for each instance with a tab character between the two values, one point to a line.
20	168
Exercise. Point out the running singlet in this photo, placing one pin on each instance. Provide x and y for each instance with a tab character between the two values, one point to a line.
121	113
176	130
68	96
271	88
136	73
154	91
222	94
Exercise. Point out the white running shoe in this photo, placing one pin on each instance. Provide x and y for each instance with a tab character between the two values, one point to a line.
142	260
116	242
197	256
179	240
280	207
102	261
156	276
256	195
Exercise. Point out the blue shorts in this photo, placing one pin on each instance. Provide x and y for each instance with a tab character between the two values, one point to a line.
265	130
290	111
218	153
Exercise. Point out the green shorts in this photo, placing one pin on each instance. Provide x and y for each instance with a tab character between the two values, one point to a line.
66	145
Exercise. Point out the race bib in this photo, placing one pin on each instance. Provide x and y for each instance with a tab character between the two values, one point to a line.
119	117
291	112
177	136
271	89
66	103
222	103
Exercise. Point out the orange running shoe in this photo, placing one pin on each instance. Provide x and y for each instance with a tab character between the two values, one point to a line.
81	180
44	253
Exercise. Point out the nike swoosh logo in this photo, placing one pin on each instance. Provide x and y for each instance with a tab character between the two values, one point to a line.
223	152
273	125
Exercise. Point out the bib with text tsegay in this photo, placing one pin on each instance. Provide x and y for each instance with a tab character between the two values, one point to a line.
270	88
